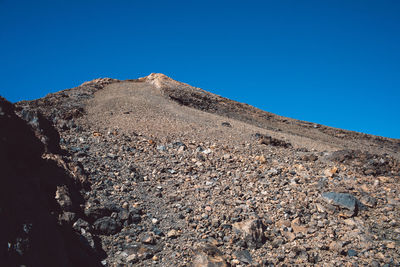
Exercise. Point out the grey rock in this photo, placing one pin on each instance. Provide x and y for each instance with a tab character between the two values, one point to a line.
343	200
79	224
199	149
106	226
368	201
208	256
244	256
351	253
94	212
161	148
148	239
179	144
124	215
134	218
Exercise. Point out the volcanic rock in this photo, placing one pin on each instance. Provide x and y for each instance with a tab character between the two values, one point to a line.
155	172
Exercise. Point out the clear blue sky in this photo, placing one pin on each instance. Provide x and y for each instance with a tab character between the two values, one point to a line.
331	62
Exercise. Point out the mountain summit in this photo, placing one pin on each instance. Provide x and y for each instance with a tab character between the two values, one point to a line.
152	171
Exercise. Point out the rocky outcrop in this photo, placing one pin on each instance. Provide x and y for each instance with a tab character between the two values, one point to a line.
38	199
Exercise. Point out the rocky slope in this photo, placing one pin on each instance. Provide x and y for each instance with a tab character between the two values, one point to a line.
155	172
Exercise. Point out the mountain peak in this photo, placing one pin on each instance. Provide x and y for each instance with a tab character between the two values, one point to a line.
162	81
157	76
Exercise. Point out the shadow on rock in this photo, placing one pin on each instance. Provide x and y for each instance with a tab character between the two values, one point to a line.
31	232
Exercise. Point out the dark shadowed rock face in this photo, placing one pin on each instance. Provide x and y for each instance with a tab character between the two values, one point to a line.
43	129
30	233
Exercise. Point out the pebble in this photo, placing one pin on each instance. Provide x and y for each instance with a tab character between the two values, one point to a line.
172	233
351	253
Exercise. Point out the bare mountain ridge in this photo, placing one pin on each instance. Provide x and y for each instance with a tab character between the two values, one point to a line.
327	138
197	98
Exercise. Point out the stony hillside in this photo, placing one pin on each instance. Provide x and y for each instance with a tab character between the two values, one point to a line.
154	172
